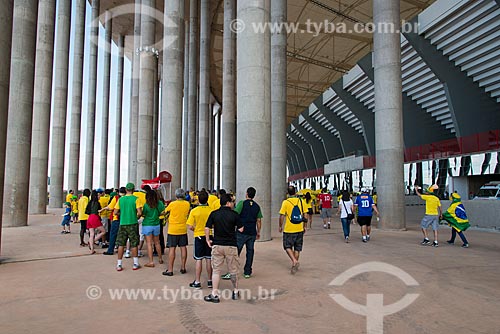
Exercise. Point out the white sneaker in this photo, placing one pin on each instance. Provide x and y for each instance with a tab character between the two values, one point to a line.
140	254
127	254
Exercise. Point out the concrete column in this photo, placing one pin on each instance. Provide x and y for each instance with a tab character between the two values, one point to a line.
119	104
211	146
389	116
92	95
156	115
228	135
134	101
193	94
146	93
218	149
172	89
19	123
77	91
58	128
5	44
103	165
185	113
278	108
204	109
41	107
253	148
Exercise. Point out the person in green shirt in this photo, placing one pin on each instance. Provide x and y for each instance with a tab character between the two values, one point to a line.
151	227
129	209
250	215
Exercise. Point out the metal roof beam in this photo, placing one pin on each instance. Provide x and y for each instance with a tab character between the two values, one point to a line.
317	145
312	61
332	144
310	160
465	98
299	155
352	140
419	127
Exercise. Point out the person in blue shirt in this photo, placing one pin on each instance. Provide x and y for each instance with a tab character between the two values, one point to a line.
365	206
66	218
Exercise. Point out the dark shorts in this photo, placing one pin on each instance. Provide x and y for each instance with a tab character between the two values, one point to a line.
201	249
364	220
293	241
128	232
177	240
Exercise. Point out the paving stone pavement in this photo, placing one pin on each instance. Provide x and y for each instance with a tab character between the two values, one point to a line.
49	284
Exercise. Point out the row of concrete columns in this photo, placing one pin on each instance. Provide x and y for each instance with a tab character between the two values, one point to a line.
29	128
253	141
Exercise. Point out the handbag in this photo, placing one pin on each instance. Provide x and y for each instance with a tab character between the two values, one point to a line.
350	216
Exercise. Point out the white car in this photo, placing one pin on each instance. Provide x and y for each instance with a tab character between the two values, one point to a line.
489	191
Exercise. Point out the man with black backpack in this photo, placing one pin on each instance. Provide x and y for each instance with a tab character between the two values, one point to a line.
292	216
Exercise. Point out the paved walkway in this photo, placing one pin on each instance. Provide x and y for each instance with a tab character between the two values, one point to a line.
45	279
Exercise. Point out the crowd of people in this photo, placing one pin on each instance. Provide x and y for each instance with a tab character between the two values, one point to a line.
125	217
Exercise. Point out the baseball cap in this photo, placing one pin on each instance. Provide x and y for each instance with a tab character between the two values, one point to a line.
130	186
433	187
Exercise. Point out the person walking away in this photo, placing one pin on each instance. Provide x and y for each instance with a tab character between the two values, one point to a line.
151	225
104	198
82	216
326	207
129	210
115	222
346	209
308	206
196	222
177	231
250	216
456	217
432	214
365	206
293	233
94	221
224	223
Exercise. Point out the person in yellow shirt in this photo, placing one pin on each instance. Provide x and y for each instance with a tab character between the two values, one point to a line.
141	198
433	214
69	196
196	222
74	209
104	214
82	216
215	204
212	199
177	230
293	234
